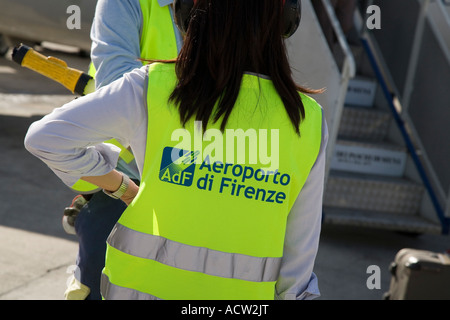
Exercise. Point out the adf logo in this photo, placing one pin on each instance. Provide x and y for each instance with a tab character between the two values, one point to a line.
177	166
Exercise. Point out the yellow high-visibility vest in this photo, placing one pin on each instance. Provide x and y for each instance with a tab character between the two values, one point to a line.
158	42
208	223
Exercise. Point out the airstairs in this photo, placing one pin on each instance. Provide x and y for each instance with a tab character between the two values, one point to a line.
380	170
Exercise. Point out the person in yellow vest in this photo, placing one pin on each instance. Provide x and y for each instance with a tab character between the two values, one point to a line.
122	33
231	156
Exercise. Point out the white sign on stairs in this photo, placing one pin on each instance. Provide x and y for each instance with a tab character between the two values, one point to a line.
371	160
361	92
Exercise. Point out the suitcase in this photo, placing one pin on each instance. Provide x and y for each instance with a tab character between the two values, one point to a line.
419	275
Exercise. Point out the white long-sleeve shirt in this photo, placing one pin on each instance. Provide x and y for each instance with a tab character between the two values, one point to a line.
116	35
69	141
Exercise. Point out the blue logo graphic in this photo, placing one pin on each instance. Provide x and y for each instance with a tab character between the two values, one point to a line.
178	166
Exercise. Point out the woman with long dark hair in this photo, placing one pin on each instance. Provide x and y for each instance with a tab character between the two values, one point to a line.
231	155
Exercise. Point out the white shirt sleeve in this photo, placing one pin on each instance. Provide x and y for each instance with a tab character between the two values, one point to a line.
115	34
297	280
70	139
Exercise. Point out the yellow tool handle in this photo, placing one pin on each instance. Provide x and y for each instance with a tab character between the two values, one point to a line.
74	80
53	68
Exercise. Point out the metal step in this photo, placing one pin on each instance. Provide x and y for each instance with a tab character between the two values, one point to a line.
369	158
373	193
381	220
364	124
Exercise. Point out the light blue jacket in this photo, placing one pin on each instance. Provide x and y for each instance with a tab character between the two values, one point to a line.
116	33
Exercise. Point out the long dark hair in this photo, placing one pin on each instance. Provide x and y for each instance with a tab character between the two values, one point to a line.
226	38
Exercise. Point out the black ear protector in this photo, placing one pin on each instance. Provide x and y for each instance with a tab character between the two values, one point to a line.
292	12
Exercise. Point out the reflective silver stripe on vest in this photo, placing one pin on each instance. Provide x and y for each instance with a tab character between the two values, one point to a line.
198	259
111	291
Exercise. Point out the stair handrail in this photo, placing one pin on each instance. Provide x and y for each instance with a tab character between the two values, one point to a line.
442	35
445	221
442	4
349	65
417	43
347	72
